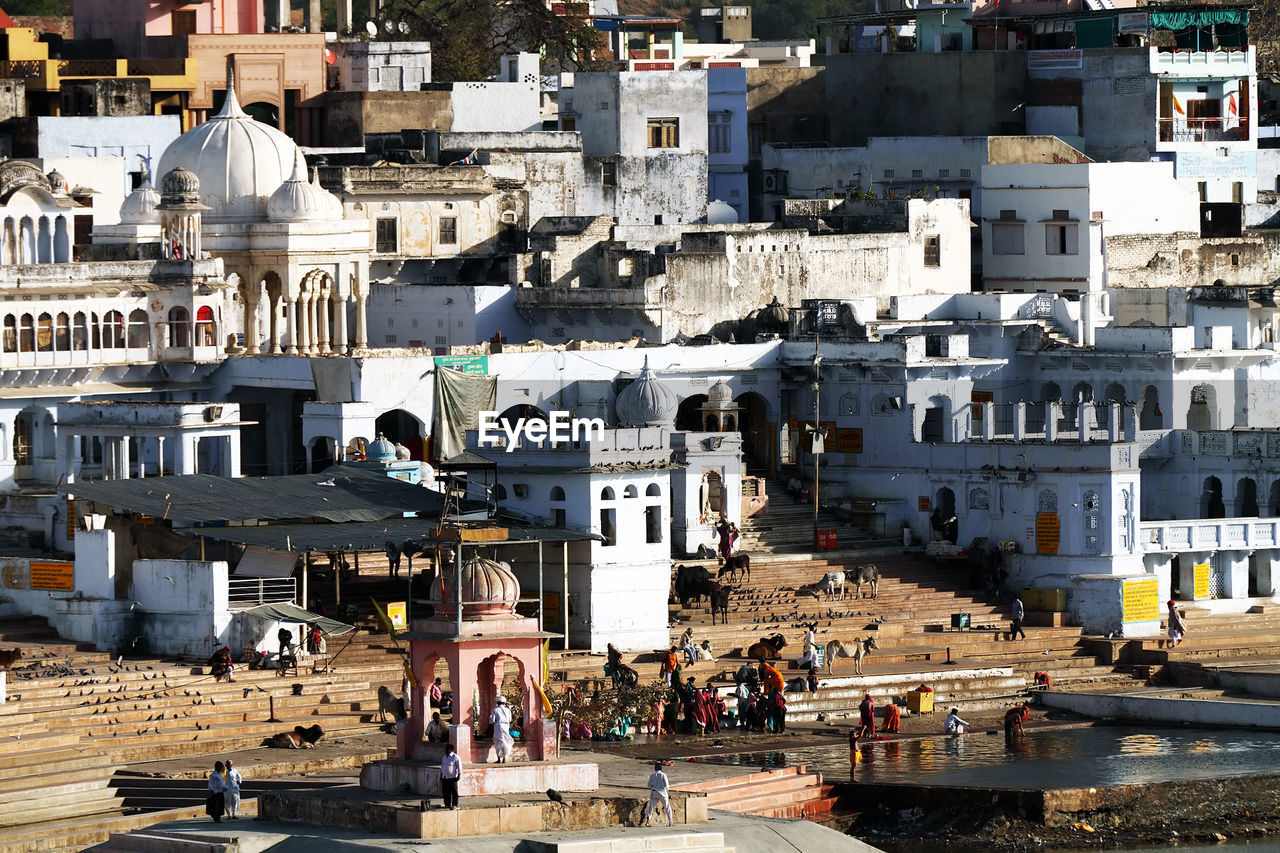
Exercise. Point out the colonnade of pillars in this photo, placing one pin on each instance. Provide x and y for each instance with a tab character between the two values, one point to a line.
314	323
117	454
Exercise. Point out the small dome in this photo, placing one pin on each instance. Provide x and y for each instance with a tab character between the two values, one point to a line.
57	182
775	313
720	213
381	450
490	586
719	393
297	200
179	186
139	207
334	203
647	401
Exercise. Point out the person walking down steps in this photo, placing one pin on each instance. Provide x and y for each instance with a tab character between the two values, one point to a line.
215	805
1015	626
231	790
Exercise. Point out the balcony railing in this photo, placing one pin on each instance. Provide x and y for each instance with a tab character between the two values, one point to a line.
1204	129
1217	534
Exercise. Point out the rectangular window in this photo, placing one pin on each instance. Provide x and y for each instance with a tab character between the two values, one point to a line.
1061	239
608	174
653	525
1007	239
568	122
932	250
664	132
719	130
965	173
917	173
448	230
944	173
386	238
888	174
83	228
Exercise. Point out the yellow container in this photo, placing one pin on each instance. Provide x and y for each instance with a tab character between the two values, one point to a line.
1053	600
919	703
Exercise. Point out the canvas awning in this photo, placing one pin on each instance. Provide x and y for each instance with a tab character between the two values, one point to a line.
282	612
368	536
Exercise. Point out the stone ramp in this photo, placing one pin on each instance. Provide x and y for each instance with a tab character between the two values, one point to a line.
788	792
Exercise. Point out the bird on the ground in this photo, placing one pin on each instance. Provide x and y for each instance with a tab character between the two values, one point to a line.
554	796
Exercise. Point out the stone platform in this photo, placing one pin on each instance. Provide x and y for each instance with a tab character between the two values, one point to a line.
479	815
395	776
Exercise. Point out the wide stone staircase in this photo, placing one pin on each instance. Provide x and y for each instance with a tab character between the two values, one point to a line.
787	526
75	718
790	792
910	620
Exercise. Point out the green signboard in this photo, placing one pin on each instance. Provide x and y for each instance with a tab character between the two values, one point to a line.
472	365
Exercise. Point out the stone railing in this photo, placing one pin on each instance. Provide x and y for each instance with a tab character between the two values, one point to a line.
1208	534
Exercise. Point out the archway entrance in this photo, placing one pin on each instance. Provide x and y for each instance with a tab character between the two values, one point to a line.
402	428
943	519
753	424
689	414
1211	504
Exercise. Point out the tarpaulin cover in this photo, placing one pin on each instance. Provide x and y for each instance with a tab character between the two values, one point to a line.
1203	18
367	536
341	493
260	563
282	612
459	400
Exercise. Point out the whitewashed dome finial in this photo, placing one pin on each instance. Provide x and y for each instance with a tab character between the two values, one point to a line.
719	393
297	200
647	402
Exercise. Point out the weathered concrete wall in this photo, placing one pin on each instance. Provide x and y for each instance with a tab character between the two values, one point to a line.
903	94
495	106
1157	709
1187	260
350	115
1116	87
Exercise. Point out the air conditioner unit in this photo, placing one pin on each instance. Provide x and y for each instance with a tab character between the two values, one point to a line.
775	181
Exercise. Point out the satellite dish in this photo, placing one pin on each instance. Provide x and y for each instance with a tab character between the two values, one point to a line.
389	26
371	28
403	28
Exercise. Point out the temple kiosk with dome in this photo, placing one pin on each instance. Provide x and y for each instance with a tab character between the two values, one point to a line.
471	652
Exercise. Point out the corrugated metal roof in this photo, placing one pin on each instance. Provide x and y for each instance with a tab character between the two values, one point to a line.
366	536
339	494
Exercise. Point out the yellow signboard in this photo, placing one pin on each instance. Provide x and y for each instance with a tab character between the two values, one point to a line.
1048	532
396	613
1201	584
1142	600
54	576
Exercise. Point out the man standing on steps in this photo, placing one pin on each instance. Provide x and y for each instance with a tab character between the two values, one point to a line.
1019	613
231	790
659	792
450	773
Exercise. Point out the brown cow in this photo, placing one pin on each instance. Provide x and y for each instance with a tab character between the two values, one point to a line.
300	738
769	648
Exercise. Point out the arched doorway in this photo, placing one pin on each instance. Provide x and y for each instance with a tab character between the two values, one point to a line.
1114	394
935	418
1150	417
689	414
1203	407
1081	393
1275	499
400	427
754	426
1211	505
943	519
321	453
1037	412
1246	498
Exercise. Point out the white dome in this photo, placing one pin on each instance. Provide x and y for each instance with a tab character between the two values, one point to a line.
240	162
720	213
297	200
139	207
646	402
334	203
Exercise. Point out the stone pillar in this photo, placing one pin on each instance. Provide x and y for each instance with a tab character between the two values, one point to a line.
1115	428
1084	421
313	326
306	448
124	458
160	455
340	323
311	17
274	330
231	457
1052	412
344	16
275	14
1019	421
304	323
252	299
988	421
66	457
362	329
291	324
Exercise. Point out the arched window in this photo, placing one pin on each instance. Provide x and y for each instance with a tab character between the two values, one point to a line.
500	492
606	494
27	334
113	330
557	493
79	331
205	335
62	332
44	332
179	327
10	333
139	329
653	490
630	492
95	331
